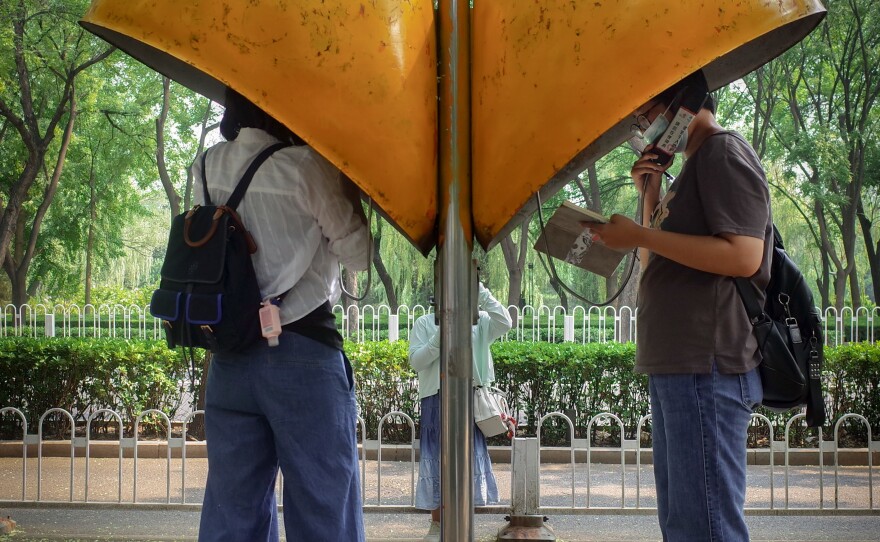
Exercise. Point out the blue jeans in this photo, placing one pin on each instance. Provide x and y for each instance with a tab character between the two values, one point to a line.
291	406
699	425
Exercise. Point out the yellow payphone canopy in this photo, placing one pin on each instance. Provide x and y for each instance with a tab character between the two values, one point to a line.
357	80
555	82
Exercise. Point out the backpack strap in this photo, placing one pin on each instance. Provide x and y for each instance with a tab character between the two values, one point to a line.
205	180
248	176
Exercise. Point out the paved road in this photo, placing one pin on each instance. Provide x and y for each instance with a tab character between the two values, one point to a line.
166	525
158	522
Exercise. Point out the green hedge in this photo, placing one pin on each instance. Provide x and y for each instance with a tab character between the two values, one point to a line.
83	375
580	380
852	383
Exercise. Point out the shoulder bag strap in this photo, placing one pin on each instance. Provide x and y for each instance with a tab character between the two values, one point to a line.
815	415
816	399
205	179
750	300
248	176
480	369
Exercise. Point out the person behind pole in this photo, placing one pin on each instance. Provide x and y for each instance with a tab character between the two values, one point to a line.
424	356
292	405
695	340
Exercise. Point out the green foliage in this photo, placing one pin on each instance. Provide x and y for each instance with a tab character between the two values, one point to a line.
578	380
82	375
385	382
811	114
853	372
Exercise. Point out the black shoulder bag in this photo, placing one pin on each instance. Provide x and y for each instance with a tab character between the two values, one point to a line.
789	334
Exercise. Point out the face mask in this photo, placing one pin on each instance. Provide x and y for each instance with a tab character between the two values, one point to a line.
658	127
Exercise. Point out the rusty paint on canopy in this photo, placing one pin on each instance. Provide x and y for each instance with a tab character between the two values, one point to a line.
554	82
357	80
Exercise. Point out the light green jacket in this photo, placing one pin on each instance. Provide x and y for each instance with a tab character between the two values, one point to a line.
424	344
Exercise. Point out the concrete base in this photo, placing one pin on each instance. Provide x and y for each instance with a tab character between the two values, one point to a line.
526	528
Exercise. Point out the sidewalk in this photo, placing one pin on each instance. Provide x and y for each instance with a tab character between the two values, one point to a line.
68	524
59	519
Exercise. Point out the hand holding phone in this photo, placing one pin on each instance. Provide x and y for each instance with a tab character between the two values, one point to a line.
667	133
646	172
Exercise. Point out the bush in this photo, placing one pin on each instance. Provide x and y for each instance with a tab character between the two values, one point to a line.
579	380
84	375
385	383
852	385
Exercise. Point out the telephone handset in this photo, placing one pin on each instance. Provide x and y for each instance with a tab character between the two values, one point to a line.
686	104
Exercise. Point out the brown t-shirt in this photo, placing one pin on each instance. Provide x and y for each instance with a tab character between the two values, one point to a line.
688	319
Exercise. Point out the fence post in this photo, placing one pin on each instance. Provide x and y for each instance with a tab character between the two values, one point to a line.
568	332
393	327
524	523
50	325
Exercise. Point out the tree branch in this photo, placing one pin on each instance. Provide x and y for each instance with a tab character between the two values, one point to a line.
51	187
170	192
18	123
21	69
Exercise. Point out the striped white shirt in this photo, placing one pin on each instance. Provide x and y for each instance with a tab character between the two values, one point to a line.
296	211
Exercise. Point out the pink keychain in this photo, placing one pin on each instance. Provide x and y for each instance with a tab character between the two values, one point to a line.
270	322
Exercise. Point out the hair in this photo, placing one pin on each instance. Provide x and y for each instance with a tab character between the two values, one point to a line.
667	96
242	113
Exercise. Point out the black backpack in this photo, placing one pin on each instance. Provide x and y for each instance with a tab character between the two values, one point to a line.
208	296
789	333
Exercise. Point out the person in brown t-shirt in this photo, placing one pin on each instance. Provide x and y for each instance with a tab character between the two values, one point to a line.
695	340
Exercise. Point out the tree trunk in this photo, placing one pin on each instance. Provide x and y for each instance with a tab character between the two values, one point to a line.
164	177
560	291
17	281
872	250
15	254
196	429
381	270
90	242
848	214
10	218
628	298
828	251
515	259
825	281
385	277
203	134
855	290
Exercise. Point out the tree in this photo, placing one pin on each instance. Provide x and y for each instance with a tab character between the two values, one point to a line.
828	85
45	51
514	251
381	270
180	111
18	261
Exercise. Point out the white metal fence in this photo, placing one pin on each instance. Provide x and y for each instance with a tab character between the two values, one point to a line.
826	477
377	322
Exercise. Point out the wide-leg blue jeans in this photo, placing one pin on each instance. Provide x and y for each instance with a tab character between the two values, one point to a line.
290	406
699	429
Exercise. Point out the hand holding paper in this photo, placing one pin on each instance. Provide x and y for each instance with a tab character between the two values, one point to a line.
618	233
567	237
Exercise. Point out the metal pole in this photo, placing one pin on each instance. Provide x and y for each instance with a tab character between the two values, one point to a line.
454	255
